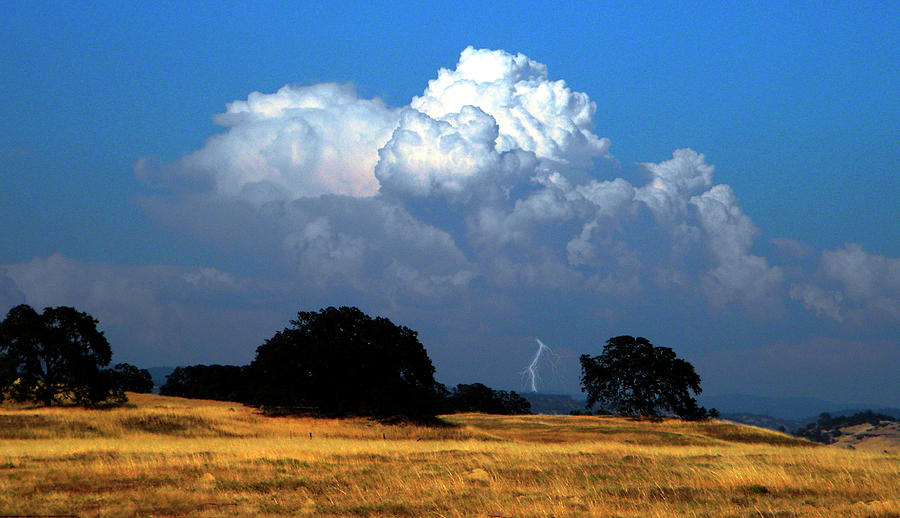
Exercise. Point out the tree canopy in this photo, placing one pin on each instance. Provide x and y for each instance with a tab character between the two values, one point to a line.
477	397
133	379
341	361
633	377
220	382
56	356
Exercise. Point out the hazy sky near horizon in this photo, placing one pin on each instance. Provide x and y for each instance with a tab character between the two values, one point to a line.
720	180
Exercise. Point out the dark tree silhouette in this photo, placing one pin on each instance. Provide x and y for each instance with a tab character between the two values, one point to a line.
126	377
634	378
53	357
340	361
220	382
480	398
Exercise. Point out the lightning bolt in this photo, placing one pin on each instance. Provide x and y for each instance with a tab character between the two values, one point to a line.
530	375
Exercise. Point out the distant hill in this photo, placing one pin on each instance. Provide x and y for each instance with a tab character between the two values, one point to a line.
788	408
868	430
885	436
763	411
559	404
891	412
765	421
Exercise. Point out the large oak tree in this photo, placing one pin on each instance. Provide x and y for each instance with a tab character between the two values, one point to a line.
57	356
635	378
341	361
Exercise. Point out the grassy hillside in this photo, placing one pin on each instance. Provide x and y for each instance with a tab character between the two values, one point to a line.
883	436
172	457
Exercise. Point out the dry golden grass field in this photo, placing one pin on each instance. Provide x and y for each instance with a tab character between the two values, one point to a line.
163	456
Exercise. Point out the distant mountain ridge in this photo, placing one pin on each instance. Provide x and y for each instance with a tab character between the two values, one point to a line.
764	411
804	409
784	414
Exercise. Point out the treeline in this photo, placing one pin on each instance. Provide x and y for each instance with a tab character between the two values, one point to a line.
335	361
826	429
340	361
237	383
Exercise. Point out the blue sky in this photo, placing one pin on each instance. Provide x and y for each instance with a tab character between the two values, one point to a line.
795	106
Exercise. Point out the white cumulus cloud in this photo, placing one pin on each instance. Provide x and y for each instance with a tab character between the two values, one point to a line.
448	157
489	174
870	283
852	285
673	181
827	303
533	113
738	274
372	245
299	141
